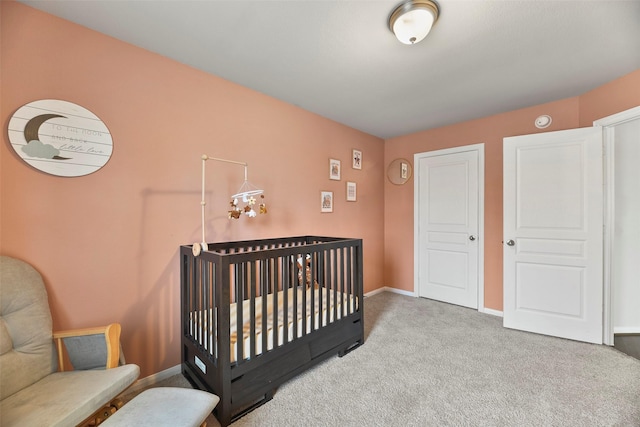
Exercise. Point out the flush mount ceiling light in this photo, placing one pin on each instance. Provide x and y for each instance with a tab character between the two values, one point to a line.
412	20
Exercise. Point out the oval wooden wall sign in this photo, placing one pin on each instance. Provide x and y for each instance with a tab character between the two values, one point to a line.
60	138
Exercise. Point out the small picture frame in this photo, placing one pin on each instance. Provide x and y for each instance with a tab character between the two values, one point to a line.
404	170
334	169
326	201
357	159
351	191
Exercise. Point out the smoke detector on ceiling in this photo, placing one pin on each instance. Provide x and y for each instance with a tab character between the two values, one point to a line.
543	121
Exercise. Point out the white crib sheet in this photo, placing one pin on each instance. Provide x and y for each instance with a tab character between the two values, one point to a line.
287	331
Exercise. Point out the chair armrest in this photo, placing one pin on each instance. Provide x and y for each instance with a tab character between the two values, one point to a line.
111	334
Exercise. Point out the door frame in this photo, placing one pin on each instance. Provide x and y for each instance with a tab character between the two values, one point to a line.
608	139
479	148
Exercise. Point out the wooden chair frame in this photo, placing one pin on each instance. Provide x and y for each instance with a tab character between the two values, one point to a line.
112	337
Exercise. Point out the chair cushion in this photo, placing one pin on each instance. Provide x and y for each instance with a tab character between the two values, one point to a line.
26	341
66	398
165	406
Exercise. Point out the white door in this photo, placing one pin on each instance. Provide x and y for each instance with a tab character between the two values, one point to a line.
621	134
447	226
553	233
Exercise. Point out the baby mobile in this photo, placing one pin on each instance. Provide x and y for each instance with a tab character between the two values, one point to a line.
243	202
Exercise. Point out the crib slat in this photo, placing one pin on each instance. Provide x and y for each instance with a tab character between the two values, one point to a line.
291	284
329	284
304	301
285	271
349	279
264	293
206	312
340	289
304	285
275	316
203	275
253	283
337	269
238	286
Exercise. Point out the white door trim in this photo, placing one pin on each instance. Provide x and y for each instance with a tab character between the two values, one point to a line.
479	148
608	125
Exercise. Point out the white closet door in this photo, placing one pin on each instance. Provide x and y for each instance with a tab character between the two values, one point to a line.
447	227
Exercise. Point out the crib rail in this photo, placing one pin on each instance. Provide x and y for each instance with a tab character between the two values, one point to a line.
261	275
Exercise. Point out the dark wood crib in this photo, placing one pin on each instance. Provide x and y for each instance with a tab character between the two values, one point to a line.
298	301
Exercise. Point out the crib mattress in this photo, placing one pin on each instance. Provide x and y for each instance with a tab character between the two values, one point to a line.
321	317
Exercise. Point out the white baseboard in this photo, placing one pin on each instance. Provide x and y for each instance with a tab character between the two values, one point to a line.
154	379
413	294
389	289
492	312
626	330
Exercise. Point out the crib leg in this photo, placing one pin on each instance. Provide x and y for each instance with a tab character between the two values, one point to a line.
350	348
268	395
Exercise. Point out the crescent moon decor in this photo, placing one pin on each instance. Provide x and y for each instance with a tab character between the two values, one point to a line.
60	138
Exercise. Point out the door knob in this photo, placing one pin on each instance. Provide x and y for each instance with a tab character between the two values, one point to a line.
510	243
472	237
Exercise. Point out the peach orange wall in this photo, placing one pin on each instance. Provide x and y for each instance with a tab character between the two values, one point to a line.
618	95
107	243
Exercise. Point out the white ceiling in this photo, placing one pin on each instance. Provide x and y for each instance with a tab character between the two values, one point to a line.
338	59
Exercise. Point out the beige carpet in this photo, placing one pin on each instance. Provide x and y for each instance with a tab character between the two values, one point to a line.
426	363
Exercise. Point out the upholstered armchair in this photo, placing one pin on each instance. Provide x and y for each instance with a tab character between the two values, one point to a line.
37	385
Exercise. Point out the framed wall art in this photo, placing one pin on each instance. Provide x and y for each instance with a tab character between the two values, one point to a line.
404	170
326	201
334	169
357	159
351	191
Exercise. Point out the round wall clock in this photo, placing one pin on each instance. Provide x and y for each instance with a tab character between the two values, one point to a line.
60	138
